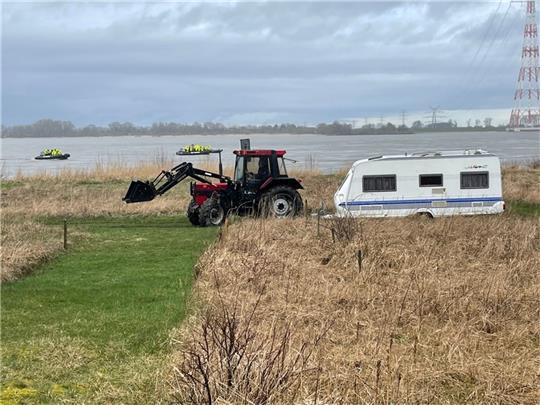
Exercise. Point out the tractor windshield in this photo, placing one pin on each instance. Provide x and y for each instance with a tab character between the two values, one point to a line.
257	167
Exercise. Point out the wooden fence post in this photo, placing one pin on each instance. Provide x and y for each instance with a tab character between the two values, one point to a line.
65	234
359	257
318	223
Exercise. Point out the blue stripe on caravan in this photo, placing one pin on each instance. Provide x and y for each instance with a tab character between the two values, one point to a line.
424	201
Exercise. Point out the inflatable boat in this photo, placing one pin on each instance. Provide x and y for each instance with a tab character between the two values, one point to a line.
63	156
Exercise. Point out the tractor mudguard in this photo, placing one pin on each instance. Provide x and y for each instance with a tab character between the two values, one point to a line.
201	191
276	181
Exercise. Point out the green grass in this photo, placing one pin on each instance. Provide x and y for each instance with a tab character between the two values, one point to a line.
9	184
524	208
93	325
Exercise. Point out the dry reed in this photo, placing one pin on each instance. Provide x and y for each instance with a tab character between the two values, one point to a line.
24	244
438	311
389	311
522	182
99	191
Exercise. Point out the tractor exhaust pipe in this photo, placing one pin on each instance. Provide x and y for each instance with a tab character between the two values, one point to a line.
139	191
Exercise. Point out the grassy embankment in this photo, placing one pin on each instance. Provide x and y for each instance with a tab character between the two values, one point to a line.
91	324
312	325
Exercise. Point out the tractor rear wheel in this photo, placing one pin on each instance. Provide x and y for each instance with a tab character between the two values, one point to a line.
212	213
193	213
281	201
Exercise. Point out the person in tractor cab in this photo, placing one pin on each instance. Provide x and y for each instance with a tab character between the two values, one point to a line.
257	169
264	170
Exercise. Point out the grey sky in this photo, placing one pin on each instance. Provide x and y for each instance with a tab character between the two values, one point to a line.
254	62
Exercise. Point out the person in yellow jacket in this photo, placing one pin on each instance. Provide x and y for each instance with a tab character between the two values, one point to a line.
196	148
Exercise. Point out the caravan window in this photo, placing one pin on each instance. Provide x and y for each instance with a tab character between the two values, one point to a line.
431	180
474	180
378	183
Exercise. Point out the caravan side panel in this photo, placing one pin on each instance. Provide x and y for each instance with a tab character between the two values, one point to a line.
458	185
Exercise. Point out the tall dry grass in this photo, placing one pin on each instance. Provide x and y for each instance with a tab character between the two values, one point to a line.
25	243
438	311
98	192
522	182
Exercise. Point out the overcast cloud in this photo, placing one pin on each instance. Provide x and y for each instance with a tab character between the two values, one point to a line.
255	62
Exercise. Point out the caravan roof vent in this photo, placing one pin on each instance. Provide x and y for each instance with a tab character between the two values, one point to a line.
422	154
475	152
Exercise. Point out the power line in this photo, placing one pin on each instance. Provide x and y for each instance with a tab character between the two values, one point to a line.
494	36
472	81
503	41
484	37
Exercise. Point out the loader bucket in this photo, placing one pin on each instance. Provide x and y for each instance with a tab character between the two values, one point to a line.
139	191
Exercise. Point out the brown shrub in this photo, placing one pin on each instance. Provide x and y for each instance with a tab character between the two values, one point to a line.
441	311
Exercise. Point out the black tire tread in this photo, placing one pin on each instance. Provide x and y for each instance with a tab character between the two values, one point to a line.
204	212
298	204
193	213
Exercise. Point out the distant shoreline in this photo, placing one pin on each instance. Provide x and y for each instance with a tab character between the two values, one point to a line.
421	131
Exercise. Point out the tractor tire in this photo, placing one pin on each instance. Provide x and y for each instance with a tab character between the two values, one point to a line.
281	202
193	213
212	213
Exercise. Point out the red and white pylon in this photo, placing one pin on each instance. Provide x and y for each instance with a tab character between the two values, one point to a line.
526	111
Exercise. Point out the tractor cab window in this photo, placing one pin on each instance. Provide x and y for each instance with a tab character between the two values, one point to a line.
281	167
239	169
257	167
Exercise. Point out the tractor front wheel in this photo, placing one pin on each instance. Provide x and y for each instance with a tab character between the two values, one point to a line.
281	201
212	213
193	213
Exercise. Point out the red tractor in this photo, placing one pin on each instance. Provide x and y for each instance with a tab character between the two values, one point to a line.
260	186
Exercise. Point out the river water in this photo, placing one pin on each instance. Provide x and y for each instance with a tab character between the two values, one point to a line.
328	153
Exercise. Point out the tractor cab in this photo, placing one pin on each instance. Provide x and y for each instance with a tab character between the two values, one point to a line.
254	168
262	183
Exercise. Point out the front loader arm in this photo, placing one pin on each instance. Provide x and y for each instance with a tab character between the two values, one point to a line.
140	191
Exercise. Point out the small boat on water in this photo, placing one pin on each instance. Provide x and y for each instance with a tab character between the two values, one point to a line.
63	156
49	154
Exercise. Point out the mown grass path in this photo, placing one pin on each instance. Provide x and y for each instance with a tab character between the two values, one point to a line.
92	326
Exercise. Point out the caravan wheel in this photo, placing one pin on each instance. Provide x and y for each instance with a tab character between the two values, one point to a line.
425	215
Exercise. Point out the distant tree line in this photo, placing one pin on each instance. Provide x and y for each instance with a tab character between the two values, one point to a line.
56	128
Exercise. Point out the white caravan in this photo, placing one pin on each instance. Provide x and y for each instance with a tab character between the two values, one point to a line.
431	183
